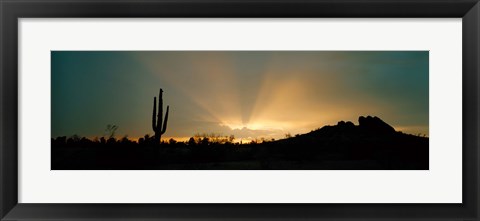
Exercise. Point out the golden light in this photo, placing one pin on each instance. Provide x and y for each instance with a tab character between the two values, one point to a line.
289	99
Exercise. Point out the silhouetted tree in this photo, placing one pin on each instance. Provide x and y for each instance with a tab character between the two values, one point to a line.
191	141
125	140
110	130
102	140
172	141
111	141
205	141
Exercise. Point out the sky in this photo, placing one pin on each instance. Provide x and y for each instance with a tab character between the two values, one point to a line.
248	94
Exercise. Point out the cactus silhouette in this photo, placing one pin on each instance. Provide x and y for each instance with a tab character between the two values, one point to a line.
157	121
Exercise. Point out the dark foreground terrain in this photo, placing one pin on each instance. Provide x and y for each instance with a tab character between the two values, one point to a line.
371	145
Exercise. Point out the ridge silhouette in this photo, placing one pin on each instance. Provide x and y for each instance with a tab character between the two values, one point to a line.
370	145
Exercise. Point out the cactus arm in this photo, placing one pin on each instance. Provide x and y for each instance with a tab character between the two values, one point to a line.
154	114
160	110
165	122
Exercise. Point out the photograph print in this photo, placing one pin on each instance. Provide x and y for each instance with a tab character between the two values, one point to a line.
239	110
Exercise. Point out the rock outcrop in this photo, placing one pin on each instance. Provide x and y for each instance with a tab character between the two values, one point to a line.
374	124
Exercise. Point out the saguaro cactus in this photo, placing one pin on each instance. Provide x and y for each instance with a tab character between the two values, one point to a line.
157	121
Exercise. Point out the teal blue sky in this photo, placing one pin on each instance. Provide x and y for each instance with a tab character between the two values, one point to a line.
249	94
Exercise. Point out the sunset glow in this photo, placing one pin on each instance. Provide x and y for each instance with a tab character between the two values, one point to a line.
247	94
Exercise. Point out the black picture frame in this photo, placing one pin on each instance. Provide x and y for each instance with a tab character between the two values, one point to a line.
12	10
